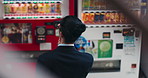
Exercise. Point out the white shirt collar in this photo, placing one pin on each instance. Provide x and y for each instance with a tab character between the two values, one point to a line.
65	44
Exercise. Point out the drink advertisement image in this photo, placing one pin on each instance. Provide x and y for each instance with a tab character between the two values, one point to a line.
98	48
80	44
105	48
89	46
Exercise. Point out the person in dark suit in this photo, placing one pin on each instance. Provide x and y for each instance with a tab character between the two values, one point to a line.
65	61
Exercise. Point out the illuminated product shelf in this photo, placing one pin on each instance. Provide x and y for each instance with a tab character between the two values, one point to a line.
17	2
31	1
109	25
48	10
106	17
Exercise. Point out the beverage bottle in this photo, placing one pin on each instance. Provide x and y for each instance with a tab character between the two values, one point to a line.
88	48
86	4
47	9
112	17
101	18
30	8
24	8
103	6
7	8
35	8
12	8
58	8
91	19
117	19
87	18
98	4
97	17
122	18
92	6
19	9
53	8
29	37
107	17
83	17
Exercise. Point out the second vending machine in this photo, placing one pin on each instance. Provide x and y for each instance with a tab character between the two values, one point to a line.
111	38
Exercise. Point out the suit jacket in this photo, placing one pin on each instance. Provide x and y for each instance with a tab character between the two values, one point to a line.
65	62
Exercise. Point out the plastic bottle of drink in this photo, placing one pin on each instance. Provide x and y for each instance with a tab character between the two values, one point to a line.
47	9
7	8
29	37
58	8
24	8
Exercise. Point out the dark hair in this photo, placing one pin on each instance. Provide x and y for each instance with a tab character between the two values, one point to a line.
71	28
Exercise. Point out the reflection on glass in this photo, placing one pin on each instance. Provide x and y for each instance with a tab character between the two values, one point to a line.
16	33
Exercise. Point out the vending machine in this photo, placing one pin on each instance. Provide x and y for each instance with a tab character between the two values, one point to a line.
28	28
111	38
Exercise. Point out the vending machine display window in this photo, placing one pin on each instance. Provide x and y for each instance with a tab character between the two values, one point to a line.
16	33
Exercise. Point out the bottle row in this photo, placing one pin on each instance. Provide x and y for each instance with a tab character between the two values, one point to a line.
104	18
23	2
107	4
41	8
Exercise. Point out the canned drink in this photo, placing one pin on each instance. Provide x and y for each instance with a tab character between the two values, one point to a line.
117	18
101	18
96	18
91	18
107	17
85	18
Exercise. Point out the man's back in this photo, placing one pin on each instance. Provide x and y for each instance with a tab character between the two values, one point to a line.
67	62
